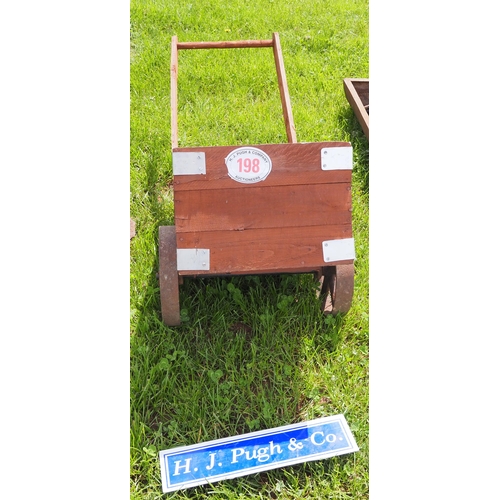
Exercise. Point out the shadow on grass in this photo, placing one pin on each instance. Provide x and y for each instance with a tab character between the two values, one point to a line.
236	364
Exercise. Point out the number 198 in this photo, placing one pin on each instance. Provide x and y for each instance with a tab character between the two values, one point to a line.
247	165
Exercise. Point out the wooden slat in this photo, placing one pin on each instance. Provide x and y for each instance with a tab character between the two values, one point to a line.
281	270
263	207
357	93
233	44
264	250
292	164
281	178
283	86
173	91
362	88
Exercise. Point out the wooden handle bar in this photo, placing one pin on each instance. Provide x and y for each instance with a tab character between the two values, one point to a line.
173	92
280	69
283	86
225	45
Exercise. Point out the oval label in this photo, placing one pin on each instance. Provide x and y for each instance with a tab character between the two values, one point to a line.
248	165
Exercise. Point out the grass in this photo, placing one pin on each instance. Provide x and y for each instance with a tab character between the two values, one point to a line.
253	352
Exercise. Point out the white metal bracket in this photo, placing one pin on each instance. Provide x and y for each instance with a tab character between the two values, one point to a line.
339	158
188	163
193	259
335	250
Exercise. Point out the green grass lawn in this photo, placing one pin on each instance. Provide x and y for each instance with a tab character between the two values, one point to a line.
252	352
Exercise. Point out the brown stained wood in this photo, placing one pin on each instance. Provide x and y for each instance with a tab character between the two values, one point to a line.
280	178
263	250
234	44
282	270
362	89
173	91
276	224
263	207
357	93
283	86
273	226
298	163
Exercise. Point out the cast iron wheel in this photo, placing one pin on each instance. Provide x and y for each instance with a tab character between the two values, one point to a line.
337	288
168	277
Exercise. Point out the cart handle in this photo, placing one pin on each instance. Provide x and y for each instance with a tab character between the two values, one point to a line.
280	69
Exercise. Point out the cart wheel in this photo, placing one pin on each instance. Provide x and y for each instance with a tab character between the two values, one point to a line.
337	288
326	280
169	279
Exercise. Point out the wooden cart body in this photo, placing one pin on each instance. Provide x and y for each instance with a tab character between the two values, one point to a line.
258	209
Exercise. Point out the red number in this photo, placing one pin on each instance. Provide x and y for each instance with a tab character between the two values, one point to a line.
245	165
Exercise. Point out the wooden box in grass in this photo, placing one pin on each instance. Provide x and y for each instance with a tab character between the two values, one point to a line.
277	222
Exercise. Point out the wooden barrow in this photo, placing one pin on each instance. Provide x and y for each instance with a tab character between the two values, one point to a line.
258	209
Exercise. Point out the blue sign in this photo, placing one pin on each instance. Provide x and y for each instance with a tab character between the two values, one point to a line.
227	458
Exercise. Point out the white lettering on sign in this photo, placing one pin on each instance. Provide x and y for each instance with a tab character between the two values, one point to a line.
231	457
261	454
178	467
248	165
331	438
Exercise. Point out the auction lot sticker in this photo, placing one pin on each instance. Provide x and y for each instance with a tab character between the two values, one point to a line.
248	165
227	458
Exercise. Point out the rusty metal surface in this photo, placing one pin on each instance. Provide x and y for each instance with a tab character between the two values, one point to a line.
342	288
168	277
326	282
337	287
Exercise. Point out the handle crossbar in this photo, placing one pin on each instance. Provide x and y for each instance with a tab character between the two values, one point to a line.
242	44
280	69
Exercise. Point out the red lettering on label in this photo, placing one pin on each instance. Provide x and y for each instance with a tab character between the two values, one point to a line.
247	165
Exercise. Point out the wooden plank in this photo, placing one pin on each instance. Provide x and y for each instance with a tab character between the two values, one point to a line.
233	44
173	92
283	86
292	164
362	88
281	270
357	93
281	178
264	250
263	207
